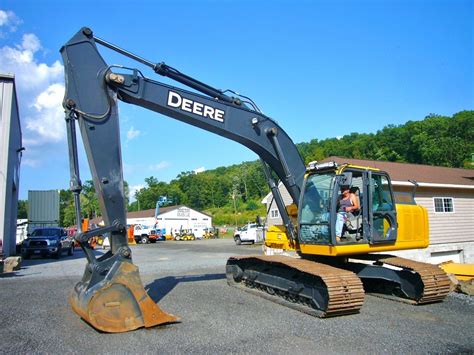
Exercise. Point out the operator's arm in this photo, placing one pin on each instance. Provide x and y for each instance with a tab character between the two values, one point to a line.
355	203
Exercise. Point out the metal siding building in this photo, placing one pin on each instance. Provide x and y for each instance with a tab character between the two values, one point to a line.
43	209
451	232
10	158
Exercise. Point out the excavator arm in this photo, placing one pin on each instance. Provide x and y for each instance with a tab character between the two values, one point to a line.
110	295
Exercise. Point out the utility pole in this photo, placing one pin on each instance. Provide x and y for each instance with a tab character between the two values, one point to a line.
235	208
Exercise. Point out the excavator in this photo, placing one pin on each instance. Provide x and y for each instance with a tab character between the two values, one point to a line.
328	275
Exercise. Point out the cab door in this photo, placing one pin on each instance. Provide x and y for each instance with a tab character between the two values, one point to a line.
382	215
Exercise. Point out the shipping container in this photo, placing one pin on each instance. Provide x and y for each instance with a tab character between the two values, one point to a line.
43	209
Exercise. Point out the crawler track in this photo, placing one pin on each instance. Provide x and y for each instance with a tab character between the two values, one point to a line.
400	279
436	284
310	287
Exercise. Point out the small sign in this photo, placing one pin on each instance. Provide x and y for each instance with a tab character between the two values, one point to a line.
184	212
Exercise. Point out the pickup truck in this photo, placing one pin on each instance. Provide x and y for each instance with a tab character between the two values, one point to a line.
250	233
48	241
144	234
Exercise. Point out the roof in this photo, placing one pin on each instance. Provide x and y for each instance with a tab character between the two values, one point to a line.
151	212
7	76
421	173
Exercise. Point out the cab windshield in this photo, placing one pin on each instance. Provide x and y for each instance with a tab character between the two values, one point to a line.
315	207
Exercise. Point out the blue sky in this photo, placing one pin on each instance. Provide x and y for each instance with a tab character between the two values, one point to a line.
320	68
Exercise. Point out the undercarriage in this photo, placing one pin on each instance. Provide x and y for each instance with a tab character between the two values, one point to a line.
324	290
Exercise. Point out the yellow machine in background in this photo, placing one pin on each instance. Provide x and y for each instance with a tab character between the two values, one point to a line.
462	272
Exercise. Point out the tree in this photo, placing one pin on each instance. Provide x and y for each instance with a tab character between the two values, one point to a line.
22	212
66	208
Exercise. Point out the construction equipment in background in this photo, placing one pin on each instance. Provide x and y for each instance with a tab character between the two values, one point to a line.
211	233
130	234
462	272
185	234
94	241
323	281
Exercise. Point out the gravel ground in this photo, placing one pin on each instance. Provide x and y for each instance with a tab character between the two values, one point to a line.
187	279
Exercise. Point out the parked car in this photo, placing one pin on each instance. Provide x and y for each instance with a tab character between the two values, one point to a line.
50	241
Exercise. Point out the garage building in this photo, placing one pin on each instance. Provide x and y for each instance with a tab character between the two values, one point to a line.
172	219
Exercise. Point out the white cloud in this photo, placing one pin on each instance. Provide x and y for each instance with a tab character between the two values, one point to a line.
30	75
8	20
30	43
133	189
160	166
39	88
199	170
132	134
48	116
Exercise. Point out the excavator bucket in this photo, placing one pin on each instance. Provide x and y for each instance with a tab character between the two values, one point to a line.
117	302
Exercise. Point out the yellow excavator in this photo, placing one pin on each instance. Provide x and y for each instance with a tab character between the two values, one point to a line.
334	248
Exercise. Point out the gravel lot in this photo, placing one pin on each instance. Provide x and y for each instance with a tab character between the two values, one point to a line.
188	279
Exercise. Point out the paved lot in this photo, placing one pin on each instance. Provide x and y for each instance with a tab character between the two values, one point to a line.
187	279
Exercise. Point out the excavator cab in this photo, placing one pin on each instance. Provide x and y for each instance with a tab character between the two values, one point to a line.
372	223
374	227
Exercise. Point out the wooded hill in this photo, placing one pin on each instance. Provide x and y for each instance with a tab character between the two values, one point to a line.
232	194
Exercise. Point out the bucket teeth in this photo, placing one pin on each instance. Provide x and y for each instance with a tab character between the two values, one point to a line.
119	302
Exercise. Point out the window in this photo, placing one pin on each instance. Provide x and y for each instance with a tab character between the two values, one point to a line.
443	204
274	214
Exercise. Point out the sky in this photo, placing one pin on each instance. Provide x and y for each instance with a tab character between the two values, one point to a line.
321	69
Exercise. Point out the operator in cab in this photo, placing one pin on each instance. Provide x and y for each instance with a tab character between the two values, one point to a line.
348	202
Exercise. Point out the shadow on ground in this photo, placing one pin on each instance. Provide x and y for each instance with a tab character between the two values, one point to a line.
78	254
159	288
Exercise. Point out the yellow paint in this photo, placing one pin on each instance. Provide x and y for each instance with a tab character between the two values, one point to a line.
341	168
276	238
463	272
413	233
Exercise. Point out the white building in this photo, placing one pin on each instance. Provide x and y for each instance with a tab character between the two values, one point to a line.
10	157
172	219
181	217
446	193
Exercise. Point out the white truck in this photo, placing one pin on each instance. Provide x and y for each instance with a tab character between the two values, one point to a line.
250	233
145	234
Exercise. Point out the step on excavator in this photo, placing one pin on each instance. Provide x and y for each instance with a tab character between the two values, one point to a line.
334	263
